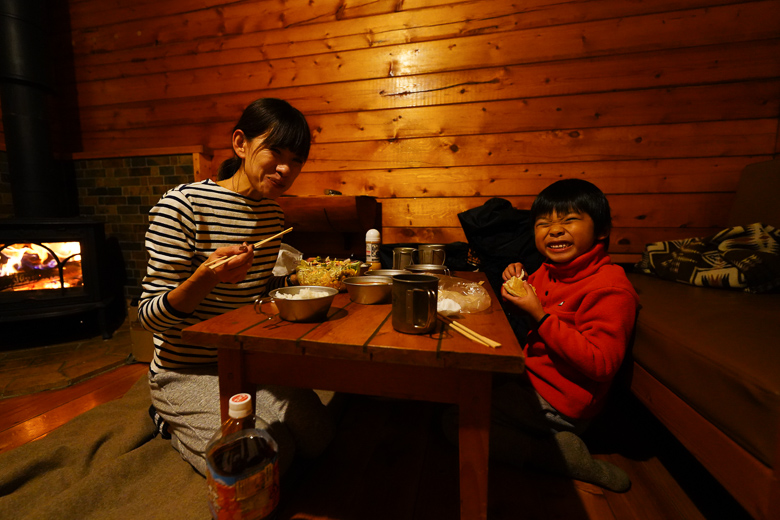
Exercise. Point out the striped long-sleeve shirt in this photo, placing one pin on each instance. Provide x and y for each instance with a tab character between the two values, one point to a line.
186	226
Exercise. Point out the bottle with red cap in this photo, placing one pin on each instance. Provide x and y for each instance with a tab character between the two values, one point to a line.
243	466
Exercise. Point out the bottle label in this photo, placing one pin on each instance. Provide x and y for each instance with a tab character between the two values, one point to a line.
249	496
372	252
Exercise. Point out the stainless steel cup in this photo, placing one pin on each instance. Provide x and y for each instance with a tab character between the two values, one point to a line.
403	256
414	303
431	254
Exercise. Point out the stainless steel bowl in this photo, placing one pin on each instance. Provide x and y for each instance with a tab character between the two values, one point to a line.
428	269
306	310
369	290
387	272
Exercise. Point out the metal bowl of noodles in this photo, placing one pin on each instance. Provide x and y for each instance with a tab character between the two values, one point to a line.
303	303
369	290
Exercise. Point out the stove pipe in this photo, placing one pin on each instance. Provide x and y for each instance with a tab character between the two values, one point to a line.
38	182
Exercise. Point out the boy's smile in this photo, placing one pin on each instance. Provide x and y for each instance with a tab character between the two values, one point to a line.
564	237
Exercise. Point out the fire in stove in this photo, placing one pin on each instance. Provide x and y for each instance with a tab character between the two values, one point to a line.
50	265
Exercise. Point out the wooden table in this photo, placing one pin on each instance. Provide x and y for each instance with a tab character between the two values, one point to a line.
357	351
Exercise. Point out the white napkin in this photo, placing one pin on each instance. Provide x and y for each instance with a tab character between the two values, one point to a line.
287	260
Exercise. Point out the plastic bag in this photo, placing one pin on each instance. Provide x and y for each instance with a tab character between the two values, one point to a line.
457	295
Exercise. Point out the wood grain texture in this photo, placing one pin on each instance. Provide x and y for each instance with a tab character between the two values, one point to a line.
434	106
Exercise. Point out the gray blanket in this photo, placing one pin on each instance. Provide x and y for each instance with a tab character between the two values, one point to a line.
105	464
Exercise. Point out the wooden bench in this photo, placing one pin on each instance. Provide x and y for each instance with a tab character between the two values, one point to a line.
707	364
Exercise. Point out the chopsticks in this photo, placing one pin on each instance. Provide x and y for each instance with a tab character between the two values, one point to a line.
467	332
218	262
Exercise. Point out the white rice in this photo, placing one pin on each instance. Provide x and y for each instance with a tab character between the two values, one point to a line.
303	294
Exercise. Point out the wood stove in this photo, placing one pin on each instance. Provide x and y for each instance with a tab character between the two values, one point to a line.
53	262
54	267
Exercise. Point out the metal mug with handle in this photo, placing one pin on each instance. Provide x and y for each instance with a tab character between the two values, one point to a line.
403	256
432	254
414	303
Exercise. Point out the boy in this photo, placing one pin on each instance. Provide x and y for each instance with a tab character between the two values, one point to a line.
582	310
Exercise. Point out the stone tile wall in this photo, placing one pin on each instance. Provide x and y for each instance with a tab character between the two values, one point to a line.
122	191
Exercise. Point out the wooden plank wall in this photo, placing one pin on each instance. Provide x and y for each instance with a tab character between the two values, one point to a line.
434	106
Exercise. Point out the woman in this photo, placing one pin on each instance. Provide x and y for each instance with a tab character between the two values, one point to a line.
197	223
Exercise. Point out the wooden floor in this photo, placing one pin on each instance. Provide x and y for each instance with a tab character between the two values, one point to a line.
391	461
28	370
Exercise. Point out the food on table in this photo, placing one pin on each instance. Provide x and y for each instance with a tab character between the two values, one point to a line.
327	272
303	294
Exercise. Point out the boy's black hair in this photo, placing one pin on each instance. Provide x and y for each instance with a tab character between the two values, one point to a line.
286	127
574	195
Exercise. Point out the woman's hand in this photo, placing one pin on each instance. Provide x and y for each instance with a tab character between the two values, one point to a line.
530	303
187	296
235	269
511	270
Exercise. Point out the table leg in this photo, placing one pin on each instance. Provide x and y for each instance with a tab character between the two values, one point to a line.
473	441
231	377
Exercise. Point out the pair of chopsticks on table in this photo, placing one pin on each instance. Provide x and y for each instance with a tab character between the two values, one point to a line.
467	332
218	262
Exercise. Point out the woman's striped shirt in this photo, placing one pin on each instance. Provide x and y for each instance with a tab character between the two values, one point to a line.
186	226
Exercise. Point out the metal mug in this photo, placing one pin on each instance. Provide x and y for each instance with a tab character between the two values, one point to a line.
403	256
414	303
431	254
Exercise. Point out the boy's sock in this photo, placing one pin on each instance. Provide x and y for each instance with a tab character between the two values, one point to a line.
576	461
562	454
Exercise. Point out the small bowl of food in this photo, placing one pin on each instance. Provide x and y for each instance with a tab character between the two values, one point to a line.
303	303
369	290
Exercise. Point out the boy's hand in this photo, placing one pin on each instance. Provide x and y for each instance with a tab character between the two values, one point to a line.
529	303
511	270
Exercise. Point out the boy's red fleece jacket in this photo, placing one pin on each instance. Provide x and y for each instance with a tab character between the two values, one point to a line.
575	352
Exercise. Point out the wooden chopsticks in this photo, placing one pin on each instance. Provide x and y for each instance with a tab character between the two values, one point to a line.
467	332
218	262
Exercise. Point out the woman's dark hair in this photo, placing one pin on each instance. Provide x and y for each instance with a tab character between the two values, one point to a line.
286	127
574	195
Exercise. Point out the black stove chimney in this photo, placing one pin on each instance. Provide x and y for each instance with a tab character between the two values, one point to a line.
39	185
